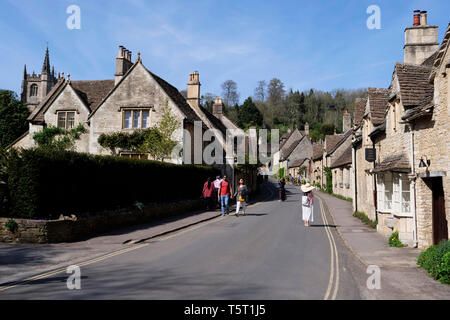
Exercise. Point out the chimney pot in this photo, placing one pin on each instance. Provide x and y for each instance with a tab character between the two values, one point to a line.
416	18
423	18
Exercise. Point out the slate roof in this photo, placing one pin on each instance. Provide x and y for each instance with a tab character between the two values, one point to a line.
415	87
344	159
296	163
397	163
317	150
378	101
331	141
360	106
286	152
429	62
215	121
92	92
440	53
336	142
378	129
38	114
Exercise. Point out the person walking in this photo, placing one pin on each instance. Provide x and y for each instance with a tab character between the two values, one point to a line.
225	192
208	192
216	190
241	197
282	184
307	204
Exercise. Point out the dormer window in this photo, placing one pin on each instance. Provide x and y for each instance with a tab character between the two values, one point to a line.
33	90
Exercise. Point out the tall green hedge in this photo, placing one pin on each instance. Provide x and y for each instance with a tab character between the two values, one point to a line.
44	184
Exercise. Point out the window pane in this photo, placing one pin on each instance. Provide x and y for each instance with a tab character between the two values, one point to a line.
70	120
61	119
127	122
388	192
136	119
145	119
406	198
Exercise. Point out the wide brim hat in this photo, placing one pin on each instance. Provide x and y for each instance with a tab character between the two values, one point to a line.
307	187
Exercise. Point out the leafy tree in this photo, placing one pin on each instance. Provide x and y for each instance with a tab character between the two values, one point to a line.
207	101
56	138
159	142
249	115
13	117
229	93
123	140
275	92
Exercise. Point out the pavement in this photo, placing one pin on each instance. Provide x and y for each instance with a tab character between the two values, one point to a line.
401	277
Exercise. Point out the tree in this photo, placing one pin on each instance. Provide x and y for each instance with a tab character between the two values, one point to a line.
207	100
249	115
229	93
123	140
13	117
275	92
56	138
159	142
260	91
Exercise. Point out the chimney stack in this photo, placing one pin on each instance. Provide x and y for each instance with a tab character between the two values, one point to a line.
217	107
123	63
421	40
193	90
346	121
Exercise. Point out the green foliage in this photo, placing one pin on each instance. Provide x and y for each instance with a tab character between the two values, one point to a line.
281	172
436	260
124	140
249	115
159	142
56	138
12	225
363	217
342	197
394	241
329	179
318	131
13	118
46	183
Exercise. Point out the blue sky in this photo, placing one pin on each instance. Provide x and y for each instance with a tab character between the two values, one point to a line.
307	44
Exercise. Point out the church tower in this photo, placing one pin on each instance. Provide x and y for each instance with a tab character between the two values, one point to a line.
36	87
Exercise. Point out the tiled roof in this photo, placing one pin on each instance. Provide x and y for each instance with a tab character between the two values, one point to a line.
38	114
286	152
176	97
331	141
430	60
378	129
414	84
296	163
317	150
92	92
440	53
419	111
360	106
378	101
215	122
344	159
341	139
398	163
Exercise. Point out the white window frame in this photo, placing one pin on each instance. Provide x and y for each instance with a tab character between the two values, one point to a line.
396	180
66	119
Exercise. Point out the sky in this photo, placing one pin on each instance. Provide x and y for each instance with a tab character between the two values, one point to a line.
317	44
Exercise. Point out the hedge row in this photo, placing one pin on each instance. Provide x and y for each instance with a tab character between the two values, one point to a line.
45	184
436	260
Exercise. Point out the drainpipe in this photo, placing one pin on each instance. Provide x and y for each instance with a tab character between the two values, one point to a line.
355	206
375	195
413	188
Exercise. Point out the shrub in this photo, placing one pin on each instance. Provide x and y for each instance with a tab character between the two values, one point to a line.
394	241
11	225
45	184
329	179
436	260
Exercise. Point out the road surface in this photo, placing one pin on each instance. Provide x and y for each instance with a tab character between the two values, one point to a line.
267	254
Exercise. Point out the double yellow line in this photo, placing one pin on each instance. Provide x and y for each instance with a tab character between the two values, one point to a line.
334	260
63	270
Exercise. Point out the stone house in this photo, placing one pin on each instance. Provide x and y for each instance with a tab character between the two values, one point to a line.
287	144
299	159
316	165
132	100
342	169
411	143
369	114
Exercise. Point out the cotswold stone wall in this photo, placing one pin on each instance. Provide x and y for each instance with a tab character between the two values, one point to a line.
365	185
432	140
71	229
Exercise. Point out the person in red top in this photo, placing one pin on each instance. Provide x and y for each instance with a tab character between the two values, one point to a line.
225	193
208	191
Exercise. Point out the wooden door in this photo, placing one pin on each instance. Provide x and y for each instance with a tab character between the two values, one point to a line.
440	230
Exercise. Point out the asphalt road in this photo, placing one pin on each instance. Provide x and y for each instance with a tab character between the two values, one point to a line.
267	254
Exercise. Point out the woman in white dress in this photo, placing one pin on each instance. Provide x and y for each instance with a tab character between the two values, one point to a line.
307	204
